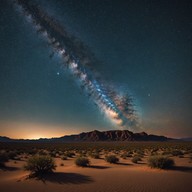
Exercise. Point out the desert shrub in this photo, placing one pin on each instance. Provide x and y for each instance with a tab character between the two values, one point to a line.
135	159
116	152
95	155
42	152
62	164
154	150
153	153
82	161
111	159
53	154
64	157
161	162
83	153
3	158
69	154
124	156
32	152
176	152
166	153
39	165
140	153
17	158
129	154
60	153
12	155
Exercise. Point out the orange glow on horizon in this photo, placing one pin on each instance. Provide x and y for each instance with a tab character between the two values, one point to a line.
24	130
29	130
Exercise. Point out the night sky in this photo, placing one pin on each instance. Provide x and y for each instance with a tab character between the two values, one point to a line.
143	47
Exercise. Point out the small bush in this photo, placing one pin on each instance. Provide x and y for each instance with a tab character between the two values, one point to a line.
111	159
17	158
124	156
177	153
135	159
83	153
167	153
12	155
69	154
61	164
82	162
95	155
140	153
3	158
33	152
53	154
64	157
42	152
39	165
161	162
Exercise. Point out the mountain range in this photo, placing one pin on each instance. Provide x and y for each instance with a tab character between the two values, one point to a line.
94	136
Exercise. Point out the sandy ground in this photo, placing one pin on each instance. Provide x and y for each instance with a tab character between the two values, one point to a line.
100	177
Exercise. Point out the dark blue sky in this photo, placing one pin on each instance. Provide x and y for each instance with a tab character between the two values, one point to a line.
143	47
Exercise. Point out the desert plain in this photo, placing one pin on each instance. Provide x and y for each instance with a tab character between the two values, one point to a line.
99	176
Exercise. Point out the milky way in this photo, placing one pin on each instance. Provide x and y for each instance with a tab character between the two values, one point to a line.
78	60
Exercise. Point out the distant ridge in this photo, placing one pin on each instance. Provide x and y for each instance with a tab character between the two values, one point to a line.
5	139
186	139
96	136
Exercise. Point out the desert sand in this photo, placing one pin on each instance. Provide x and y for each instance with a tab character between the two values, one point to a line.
100	177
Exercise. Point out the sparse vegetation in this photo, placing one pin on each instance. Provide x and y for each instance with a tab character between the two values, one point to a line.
161	162
95	155
136	159
71	171
82	161
42	152
3	159
20	151
39	165
124	156
111	159
69	154
12	155
140	153
64	157
177	152
61	149
166	153
130	154
53	154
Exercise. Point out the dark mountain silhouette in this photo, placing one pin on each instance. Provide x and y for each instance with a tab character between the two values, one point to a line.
114	135
93	136
5	139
